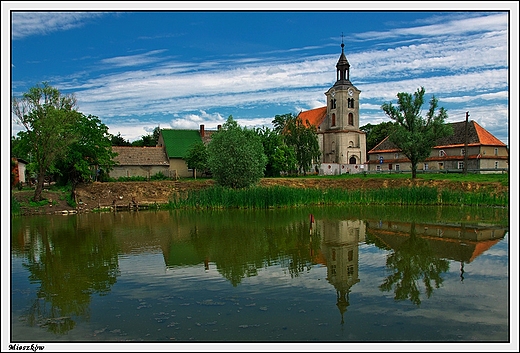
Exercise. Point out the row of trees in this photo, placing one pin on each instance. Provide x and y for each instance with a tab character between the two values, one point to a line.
238	157
62	141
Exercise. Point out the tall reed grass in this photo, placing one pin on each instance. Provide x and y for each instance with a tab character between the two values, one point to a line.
281	196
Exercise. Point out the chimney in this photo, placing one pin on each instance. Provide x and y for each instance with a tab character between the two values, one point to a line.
201	130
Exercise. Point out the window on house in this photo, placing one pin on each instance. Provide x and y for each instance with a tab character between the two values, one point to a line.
496	151
442	153
425	166
378	168
496	165
463	152
396	155
461	165
389	166
441	166
397	167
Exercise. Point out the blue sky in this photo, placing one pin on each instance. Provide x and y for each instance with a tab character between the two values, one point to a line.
180	68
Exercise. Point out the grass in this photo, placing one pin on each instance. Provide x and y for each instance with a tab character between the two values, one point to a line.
281	196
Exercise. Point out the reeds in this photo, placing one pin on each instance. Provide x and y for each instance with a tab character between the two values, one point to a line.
280	196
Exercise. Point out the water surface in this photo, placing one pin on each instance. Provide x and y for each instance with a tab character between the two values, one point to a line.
297	275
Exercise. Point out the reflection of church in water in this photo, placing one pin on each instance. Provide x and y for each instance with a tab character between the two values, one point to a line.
340	241
340	252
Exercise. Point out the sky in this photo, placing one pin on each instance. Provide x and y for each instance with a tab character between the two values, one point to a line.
182	66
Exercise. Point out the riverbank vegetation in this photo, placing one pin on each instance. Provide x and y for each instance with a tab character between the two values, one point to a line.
281	196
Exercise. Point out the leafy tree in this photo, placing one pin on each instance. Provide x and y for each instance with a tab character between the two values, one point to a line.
413	134
48	117
280	158
149	140
236	156
91	148
118	140
301	137
197	157
376	133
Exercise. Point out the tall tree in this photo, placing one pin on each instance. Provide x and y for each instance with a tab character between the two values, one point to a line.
236	156
412	134
280	158
48	117
302	137
92	148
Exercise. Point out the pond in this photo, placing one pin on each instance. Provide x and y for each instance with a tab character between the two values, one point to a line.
316	275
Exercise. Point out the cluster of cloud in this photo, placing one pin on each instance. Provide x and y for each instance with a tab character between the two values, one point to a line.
462	61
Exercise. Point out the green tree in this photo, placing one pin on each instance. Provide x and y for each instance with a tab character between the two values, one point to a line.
48	117
412	134
236	156
376	133
149	140
280	158
301	137
92	148
197	158
118	140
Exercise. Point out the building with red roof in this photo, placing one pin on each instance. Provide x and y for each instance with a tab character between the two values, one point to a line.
485	153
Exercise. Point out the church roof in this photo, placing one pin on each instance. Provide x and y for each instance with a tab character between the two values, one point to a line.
314	116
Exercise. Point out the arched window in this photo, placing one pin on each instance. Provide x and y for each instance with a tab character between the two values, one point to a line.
333	120
352	160
350	102
350	119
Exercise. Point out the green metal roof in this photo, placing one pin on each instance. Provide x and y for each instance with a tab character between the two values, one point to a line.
178	142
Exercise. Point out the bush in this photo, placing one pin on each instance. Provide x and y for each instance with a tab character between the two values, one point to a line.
236	156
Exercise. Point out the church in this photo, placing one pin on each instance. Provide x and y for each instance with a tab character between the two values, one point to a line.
342	143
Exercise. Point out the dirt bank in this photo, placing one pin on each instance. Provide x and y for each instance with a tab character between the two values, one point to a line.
100	195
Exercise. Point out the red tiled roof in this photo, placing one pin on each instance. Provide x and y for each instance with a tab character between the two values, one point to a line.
477	136
314	116
485	137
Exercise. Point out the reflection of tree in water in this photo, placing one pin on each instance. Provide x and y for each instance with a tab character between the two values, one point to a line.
414	259
69	266
240	249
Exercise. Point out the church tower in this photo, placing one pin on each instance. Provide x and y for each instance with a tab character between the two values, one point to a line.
342	141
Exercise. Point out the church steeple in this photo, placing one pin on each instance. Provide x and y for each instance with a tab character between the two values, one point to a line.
342	68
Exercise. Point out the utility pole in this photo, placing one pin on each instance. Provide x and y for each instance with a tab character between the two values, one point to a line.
465	169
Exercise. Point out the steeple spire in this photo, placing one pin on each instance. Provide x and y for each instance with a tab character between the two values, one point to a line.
342	67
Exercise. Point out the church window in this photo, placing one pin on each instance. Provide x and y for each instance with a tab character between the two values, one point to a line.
333	120
350	102
350	119
352	160
332	103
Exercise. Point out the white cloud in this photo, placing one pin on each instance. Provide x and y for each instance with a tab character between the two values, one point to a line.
26	24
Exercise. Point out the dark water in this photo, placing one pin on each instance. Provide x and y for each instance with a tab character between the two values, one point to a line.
301	275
